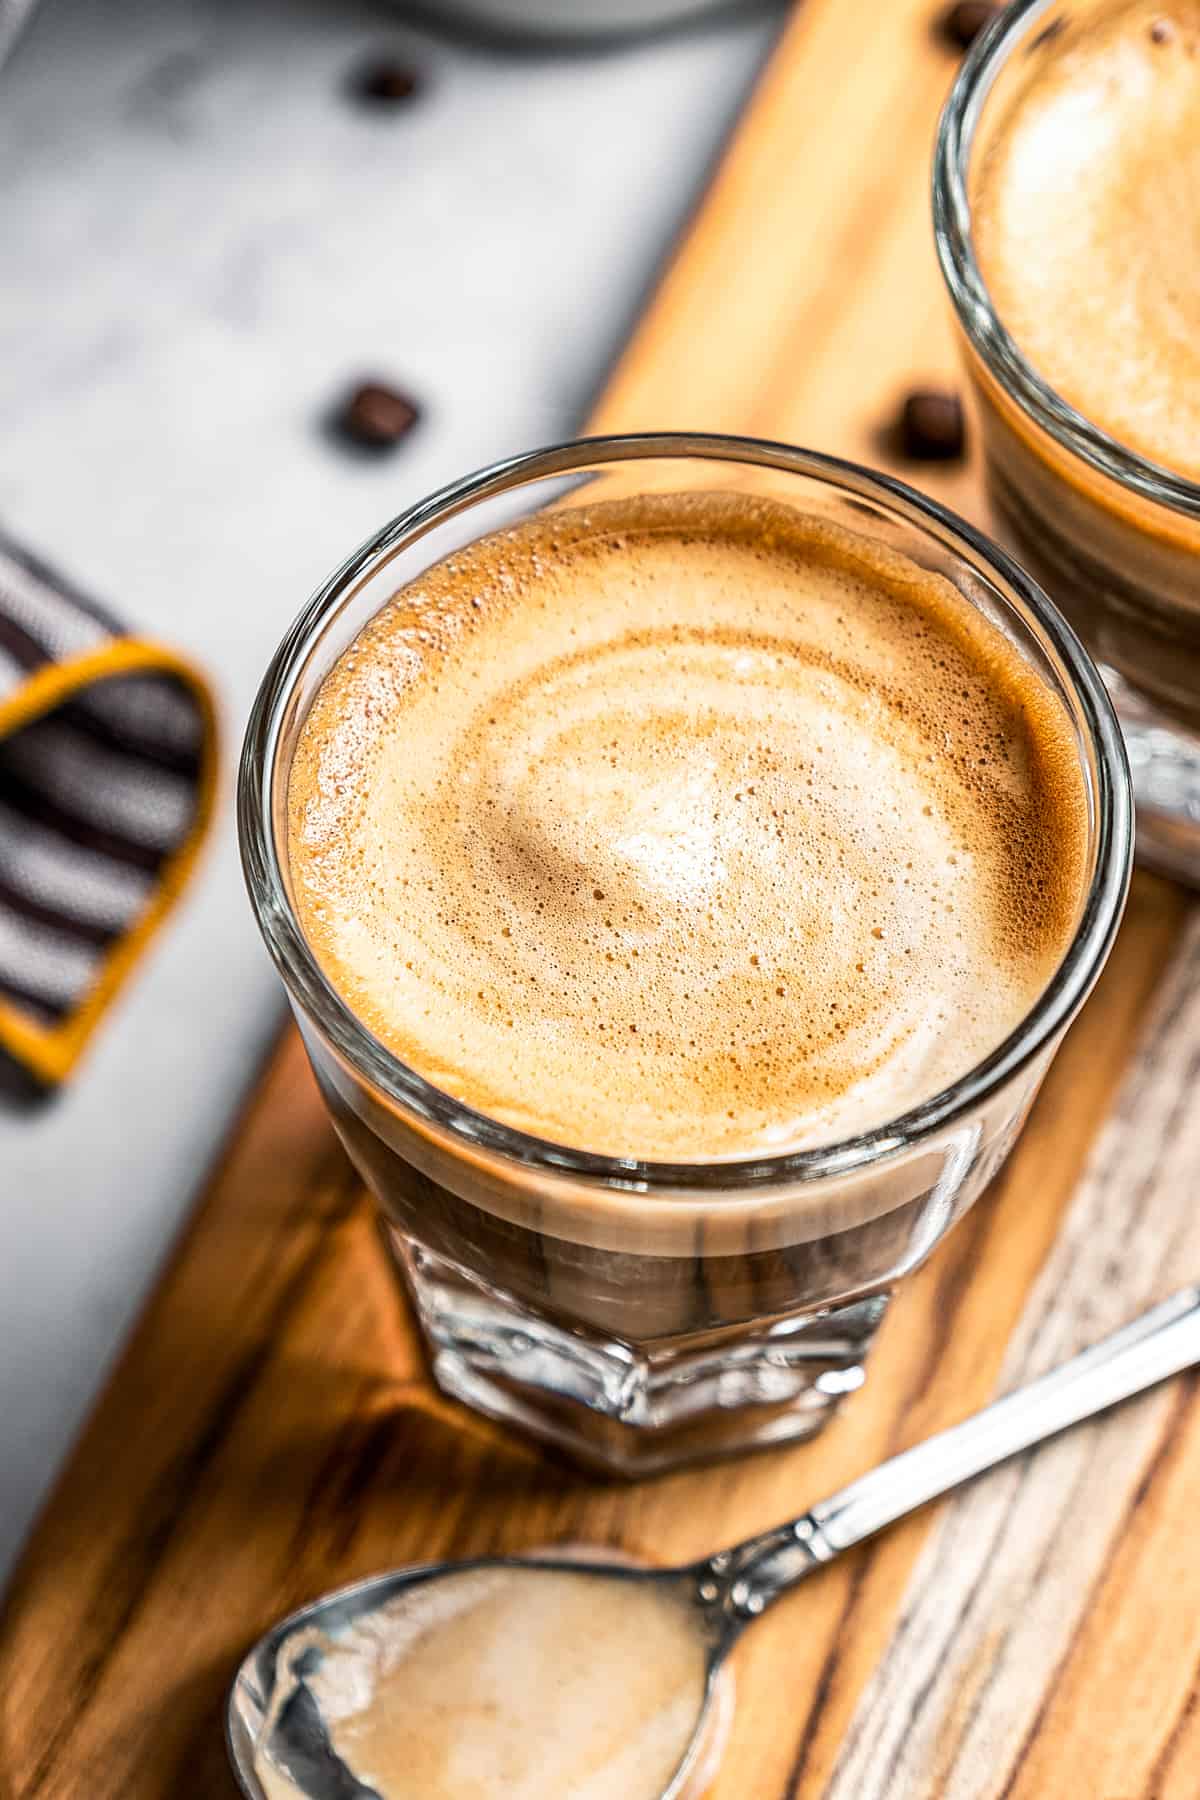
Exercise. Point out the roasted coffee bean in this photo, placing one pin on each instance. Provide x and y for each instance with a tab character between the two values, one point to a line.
385	81
931	427
377	415
961	24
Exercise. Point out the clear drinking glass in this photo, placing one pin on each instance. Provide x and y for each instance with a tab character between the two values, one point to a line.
1115	539
571	19
642	1314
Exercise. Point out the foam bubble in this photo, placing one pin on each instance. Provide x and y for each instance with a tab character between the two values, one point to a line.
1086	219
686	827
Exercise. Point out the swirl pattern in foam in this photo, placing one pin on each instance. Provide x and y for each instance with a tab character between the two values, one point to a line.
1086	221
686	827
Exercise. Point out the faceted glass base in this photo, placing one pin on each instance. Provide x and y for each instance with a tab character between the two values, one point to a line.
635	1409
1164	761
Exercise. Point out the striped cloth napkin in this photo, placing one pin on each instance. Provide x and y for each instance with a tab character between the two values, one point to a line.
107	759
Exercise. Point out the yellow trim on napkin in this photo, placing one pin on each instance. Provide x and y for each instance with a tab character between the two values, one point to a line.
50	1052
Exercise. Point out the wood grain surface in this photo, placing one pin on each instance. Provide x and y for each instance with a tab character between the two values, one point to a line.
270	1430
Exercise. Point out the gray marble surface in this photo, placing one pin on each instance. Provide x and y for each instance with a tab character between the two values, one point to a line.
202	241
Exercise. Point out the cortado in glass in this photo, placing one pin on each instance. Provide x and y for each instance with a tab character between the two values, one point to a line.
683	855
1067	216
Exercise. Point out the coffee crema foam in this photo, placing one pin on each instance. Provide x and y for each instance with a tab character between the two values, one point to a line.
509	1683
686	827
1086	221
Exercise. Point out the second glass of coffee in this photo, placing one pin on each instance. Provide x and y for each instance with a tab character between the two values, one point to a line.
1067	213
683	856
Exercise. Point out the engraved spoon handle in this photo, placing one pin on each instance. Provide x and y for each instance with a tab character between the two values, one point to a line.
1162	1342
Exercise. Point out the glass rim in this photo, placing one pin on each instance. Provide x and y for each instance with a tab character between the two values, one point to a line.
1071	429
307	983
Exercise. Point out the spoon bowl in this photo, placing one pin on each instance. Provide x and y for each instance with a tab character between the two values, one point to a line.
280	1738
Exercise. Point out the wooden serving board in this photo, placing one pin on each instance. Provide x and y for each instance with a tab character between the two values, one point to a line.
271	1431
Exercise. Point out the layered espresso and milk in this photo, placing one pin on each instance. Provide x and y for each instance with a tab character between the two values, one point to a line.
1085	214
686	827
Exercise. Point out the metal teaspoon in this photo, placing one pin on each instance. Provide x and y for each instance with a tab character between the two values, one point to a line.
279	1742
